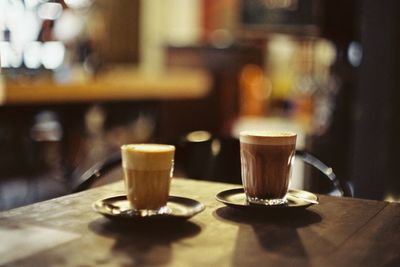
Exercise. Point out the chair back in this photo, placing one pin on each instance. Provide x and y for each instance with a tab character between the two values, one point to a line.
218	159
200	155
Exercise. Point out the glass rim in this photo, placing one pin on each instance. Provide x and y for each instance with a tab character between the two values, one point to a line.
268	137
268	133
143	146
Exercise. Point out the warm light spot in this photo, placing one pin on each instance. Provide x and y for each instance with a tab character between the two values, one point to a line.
50	10
68	27
4	59
221	38
215	147
325	52
76	4
198	136
26	29
392	198
32	55
13	14
11	56
53	55
253	90
31	4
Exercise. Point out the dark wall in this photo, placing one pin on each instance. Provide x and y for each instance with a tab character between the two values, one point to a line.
377	107
339	23
362	142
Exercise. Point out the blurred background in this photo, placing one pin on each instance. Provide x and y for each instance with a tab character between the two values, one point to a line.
81	77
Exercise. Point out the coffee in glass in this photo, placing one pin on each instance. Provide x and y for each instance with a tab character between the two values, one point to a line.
266	160
148	170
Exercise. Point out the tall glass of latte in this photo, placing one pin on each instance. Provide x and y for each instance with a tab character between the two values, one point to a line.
148	170
266	160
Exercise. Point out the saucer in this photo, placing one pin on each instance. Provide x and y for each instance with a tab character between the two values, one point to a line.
296	199
118	208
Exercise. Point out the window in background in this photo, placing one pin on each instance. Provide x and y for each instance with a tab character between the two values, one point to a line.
66	39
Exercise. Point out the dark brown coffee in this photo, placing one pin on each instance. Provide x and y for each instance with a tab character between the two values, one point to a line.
266	165
266	169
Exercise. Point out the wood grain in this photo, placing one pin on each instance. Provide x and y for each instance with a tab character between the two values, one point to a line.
337	232
374	244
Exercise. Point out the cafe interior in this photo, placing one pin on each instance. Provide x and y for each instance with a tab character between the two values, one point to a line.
79	78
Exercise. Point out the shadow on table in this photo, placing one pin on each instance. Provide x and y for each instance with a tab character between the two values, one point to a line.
144	243
272	236
293	218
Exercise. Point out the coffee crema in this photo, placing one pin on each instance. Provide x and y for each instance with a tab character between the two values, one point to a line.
147	156
266	159
268	137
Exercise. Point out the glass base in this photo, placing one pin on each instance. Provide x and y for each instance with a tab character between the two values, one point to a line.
145	212
267	202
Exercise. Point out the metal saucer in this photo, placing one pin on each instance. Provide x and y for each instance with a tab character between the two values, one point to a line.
296	199
118	208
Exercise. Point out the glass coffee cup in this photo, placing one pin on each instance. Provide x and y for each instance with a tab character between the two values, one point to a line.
266	164
148	171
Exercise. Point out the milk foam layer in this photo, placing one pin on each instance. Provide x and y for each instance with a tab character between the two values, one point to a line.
268	137
147	156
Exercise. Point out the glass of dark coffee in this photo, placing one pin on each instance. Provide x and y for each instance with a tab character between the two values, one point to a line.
266	163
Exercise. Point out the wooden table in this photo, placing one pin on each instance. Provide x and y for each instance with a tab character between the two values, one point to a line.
337	232
119	83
